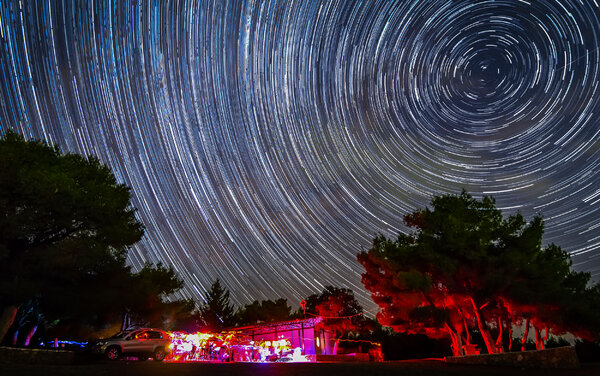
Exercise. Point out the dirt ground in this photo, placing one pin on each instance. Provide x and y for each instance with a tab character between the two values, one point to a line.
403	368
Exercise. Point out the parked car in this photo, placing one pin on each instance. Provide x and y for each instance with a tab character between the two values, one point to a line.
143	343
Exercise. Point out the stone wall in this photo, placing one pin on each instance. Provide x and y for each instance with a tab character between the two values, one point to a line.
560	357
35	356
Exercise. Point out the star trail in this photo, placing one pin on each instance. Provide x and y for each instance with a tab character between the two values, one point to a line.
267	142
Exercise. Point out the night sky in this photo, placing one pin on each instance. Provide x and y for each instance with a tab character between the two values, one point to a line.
267	142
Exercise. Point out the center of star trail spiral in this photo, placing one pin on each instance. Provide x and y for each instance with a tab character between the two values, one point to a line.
267	142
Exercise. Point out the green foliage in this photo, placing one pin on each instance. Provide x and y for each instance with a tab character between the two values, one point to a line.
63	216
157	281
464	258
145	295
263	312
65	228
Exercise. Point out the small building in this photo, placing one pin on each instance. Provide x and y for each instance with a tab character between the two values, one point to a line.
302	334
286	341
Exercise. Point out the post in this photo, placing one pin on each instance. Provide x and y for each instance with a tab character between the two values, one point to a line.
302	338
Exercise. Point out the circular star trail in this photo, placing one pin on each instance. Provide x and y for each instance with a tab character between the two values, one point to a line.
267	142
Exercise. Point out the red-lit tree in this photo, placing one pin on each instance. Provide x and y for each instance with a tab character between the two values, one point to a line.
466	263
340	311
410	302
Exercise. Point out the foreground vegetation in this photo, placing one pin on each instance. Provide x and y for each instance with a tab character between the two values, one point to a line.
467	273
462	279
65	230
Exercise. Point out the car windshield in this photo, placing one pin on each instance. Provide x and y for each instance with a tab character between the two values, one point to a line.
121	334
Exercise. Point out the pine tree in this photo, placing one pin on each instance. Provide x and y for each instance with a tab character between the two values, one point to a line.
465	267
217	313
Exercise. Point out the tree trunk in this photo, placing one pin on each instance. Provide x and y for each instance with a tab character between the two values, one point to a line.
6	319
508	322
461	350
459	343
335	345
453	341
524	339
487	337
30	335
467	333
539	340
456	345
126	323
464	326
499	346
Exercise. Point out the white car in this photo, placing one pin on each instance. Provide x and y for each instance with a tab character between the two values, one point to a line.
143	343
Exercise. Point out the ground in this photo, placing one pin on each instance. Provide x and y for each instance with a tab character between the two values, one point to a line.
404	368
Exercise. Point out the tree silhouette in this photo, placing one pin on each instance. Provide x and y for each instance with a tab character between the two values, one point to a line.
217	313
63	217
465	267
264	311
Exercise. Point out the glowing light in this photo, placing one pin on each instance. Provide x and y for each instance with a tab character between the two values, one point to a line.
193	347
